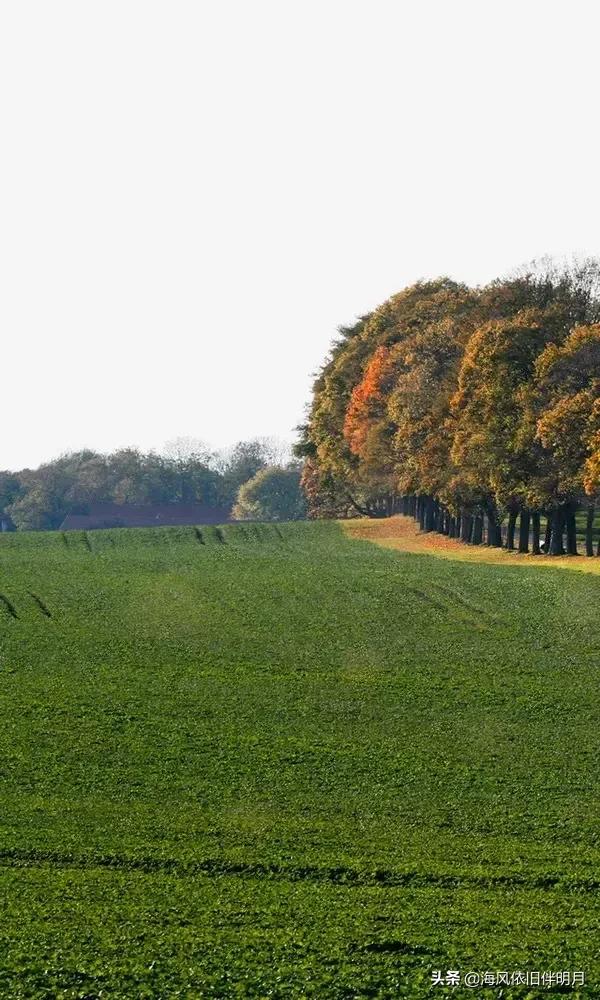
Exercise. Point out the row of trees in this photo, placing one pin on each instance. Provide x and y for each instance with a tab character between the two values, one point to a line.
471	409
187	472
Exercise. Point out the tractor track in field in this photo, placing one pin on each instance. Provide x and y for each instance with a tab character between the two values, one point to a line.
428	599
40	604
450	603
8	606
342	875
480	614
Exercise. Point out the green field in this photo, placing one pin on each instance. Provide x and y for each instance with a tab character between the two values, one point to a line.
277	762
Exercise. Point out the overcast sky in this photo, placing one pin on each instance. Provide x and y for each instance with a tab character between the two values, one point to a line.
194	195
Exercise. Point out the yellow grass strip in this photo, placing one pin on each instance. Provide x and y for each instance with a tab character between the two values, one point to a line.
402	534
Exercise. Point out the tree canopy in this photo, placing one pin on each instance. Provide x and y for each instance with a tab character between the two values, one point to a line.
478	403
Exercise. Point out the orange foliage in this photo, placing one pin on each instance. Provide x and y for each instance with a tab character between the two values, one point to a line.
368	400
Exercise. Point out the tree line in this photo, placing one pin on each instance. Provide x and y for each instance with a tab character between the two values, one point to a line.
476	410
259	478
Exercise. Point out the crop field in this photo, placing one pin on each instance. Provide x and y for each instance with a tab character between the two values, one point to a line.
283	762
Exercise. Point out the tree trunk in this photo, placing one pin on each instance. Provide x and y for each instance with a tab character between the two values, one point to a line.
571	525
548	532
510	531
494	530
429	514
466	527
556	541
422	512
478	530
524	531
589	531
535	533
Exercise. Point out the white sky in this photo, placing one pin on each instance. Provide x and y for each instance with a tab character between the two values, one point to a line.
193	195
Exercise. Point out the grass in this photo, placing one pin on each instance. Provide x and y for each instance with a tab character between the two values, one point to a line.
290	763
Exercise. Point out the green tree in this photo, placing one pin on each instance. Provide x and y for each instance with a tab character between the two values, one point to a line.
10	491
239	464
36	510
273	494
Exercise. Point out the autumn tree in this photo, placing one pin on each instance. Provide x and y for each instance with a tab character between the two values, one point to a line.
489	447
563	402
350	433
427	365
436	401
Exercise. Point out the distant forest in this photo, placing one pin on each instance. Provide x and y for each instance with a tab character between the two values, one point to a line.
188	472
469	408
